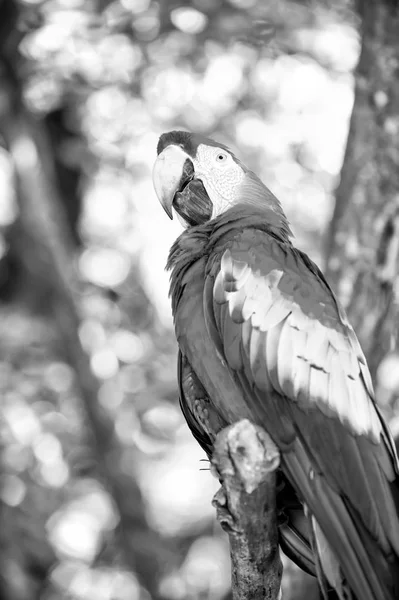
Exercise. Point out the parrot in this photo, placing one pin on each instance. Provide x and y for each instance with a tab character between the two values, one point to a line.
262	336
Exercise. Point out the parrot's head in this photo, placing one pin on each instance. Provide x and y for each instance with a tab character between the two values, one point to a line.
201	179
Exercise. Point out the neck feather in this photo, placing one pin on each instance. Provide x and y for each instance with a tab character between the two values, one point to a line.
262	204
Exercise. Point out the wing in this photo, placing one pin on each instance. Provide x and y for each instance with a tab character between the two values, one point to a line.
203	421
291	351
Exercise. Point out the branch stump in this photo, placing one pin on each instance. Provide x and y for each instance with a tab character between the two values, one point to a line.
245	460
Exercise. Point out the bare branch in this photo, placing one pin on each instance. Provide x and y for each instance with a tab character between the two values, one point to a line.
246	460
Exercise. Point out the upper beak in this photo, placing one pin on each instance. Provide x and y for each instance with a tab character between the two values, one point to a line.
169	175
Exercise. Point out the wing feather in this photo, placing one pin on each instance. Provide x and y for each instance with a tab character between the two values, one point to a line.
257	353
270	355
285	361
278	310
318	381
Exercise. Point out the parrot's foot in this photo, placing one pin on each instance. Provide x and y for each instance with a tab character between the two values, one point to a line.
245	460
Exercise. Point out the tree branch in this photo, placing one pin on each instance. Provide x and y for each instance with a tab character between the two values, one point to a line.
246	460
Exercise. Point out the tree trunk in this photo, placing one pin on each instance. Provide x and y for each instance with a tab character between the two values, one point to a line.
48	256
362	244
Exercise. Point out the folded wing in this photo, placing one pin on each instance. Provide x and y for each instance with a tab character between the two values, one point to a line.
289	346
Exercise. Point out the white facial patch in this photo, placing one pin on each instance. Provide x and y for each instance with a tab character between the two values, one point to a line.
220	174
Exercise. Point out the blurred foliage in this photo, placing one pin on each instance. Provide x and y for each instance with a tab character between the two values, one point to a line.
102	80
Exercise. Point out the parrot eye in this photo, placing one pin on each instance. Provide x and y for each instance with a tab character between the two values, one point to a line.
221	157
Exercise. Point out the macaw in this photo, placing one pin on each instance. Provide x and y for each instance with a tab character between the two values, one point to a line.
262	336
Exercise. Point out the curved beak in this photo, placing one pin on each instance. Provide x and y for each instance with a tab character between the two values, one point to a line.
173	168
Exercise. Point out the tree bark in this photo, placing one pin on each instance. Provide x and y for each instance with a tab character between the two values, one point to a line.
362	244
246	460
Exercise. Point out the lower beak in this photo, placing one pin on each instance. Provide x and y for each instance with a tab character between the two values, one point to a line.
172	169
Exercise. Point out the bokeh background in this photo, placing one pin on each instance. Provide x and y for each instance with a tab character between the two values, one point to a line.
103	492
